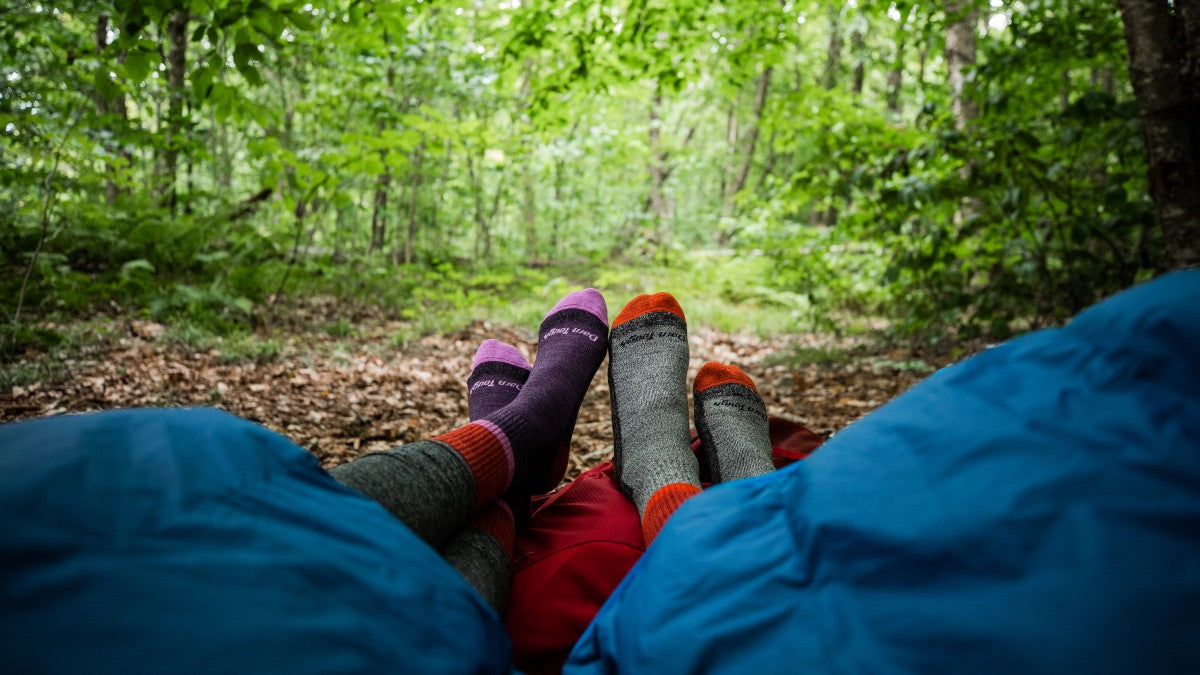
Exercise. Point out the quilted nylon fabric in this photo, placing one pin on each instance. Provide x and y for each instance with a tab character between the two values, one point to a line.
190	541
1033	509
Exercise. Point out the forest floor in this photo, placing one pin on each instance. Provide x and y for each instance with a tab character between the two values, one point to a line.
340	397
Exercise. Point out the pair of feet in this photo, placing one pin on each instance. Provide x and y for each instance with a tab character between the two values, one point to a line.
532	409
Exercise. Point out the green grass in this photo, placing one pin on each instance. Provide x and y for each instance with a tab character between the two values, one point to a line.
720	291
725	293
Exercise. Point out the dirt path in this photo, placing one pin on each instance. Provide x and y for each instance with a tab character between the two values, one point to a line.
340	398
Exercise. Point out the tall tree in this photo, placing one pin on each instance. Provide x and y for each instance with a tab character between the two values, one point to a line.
1164	66
962	17
177	39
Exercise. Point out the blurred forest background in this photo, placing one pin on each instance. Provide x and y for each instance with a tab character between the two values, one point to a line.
223	167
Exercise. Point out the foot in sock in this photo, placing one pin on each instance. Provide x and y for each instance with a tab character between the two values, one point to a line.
498	373
522	444
647	376
732	421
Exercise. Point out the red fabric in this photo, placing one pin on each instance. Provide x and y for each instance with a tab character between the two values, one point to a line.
578	545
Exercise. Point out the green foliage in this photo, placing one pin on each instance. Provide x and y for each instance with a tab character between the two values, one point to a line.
779	165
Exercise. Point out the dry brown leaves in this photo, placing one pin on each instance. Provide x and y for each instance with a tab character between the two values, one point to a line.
345	397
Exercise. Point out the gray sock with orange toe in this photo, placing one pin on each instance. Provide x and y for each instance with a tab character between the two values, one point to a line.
731	419
647	376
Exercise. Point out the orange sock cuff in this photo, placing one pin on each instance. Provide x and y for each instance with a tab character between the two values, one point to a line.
713	374
644	304
662	505
497	521
486	456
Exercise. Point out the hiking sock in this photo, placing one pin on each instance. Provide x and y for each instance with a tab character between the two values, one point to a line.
498	373
524	444
732	421
647	379
482	553
435	486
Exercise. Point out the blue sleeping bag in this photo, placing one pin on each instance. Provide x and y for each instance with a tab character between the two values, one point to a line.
1033	509
190	541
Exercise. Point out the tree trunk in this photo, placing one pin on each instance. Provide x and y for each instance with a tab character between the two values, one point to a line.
760	102
558	215
529	209
1104	79
379	211
1164	67
176	69
106	108
895	79
833	63
731	136
383	182
960	56
410	234
657	164
483	235
962	18
857	44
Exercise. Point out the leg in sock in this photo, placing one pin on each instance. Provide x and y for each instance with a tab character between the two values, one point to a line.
647	377
571	344
732	421
482	552
436	486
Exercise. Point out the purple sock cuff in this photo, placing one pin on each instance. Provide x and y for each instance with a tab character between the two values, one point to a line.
589	300
504	443
495	350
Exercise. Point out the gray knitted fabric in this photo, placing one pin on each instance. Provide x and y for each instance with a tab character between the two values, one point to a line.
427	485
732	421
647	380
482	561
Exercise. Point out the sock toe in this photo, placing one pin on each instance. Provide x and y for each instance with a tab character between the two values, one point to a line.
495	350
589	300
713	374
644	304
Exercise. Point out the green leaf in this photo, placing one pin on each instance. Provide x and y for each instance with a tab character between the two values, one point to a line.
134	266
243	53
302	20
252	75
104	84
138	64
244	304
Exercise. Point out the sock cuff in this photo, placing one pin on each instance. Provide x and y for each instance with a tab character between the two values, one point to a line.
644	304
713	374
496	521
662	505
488	454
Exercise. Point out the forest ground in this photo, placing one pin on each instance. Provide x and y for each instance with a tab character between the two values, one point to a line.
342	396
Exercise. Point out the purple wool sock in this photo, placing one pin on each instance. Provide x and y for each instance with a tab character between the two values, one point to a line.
498	373
535	429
